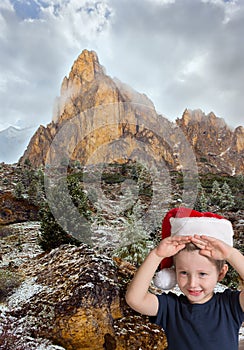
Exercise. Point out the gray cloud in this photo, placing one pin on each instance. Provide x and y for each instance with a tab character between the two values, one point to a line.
184	54
36	53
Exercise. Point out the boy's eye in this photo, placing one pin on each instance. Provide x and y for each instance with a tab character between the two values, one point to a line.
203	274
183	273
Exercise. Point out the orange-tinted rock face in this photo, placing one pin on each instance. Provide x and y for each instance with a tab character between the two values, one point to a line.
218	149
103	120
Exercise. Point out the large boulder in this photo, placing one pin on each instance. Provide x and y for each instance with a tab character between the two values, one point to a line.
74	298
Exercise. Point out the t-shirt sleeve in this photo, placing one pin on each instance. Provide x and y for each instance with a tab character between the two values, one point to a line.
163	309
236	306
232	298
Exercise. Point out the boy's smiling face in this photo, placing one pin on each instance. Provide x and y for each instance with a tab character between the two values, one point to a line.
197	275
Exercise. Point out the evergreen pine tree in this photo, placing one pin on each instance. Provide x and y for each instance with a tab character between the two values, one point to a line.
202	201
67	222
135	239
215	196
227	199
52	234
19	190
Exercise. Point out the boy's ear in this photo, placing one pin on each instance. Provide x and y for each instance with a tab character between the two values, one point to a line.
223	272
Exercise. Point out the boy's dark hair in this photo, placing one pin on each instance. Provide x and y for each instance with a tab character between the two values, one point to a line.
191	247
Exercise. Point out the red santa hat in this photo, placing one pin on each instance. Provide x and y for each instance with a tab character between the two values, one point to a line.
188	222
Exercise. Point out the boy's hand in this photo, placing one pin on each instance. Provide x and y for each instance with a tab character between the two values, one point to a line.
212	247
171	245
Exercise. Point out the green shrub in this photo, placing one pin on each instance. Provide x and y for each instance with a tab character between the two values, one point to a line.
72	226
52	234
112	178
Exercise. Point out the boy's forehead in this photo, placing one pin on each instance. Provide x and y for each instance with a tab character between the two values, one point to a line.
193	259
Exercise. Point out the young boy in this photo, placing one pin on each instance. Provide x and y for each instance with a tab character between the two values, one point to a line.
199	319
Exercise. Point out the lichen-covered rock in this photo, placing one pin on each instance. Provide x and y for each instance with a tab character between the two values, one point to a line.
74	298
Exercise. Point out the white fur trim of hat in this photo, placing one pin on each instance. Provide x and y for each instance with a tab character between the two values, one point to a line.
212	227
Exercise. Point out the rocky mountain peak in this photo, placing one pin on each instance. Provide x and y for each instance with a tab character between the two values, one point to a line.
217	148
197	116
86	67
87	86
190	116
83	75
104	112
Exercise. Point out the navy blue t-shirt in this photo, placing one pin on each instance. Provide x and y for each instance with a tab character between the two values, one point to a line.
213	325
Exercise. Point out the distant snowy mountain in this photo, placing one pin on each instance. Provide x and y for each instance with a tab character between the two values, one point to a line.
13	143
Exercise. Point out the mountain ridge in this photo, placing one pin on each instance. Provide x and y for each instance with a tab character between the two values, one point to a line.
106	113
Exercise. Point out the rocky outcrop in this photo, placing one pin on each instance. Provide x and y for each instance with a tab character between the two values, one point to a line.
39	144
16	210
218	149
74	298
98	119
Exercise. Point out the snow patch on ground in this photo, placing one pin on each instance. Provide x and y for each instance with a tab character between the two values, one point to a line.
21	245
24	293
224	152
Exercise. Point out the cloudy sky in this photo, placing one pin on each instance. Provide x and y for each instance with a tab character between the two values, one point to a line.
180	53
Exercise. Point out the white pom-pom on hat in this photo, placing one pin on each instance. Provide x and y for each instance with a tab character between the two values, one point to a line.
165	279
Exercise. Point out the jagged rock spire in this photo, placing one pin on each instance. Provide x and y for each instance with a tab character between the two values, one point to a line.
119	113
